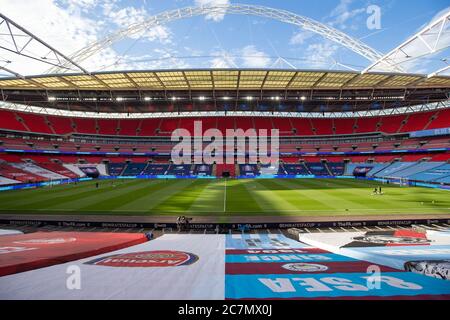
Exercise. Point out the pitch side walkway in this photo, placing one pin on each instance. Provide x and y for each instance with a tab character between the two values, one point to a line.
401	219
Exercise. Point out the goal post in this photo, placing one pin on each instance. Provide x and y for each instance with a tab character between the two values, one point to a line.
401	181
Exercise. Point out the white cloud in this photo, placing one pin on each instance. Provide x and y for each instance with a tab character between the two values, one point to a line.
69	25
130	15
220	63
222	60
320	55
217	15
342	14
253	58
47	20
300	37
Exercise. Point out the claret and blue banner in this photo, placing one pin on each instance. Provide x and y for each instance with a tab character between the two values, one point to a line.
213	266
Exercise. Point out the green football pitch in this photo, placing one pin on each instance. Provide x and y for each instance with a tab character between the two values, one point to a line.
269	197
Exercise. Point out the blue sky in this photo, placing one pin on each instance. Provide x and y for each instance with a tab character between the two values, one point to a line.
221	41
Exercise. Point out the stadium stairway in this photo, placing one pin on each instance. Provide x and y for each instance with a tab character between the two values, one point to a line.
328	169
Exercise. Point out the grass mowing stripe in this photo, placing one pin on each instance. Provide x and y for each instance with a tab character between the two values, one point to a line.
181	200
359	196
284	199
307	198
152	196
48	200
210	199
351	198
29	194
298	197
267	200
117	198
397	196
79	197
239	198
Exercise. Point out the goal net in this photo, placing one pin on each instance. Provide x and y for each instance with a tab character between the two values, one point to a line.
401	181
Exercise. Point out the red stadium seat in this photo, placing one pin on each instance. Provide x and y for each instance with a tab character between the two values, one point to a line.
85	125
344	126
148	127
365	125
36	123
61	125
9	121
416	122
128	127
441	121
323	126
107	127
391	124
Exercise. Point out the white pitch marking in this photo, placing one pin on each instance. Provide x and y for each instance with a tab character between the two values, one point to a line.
225	197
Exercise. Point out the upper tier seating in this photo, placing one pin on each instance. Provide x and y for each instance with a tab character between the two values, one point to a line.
416	122
302	126
148	127
85	125
61	125
283	125
391	124
366	125
128	127
107	127
441	121
344	126
323	126
36	123
9	120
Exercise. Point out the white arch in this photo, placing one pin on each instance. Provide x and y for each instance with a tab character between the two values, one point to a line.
244	9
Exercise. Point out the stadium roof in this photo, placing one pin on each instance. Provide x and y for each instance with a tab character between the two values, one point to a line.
224	79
